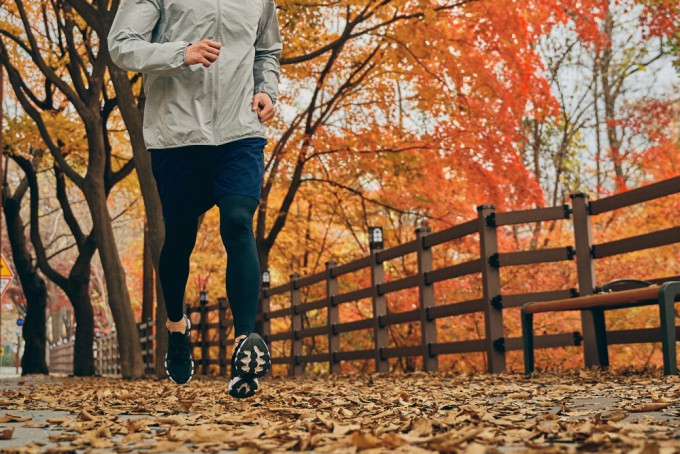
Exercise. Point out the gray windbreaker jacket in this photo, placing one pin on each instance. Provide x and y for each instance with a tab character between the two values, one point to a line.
191	104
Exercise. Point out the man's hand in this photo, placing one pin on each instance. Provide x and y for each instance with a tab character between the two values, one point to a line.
262	103
205	51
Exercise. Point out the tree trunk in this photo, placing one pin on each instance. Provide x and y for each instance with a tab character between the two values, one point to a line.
79	295
94	189
33	361
610	97
133	116
131	364
147	278
83	357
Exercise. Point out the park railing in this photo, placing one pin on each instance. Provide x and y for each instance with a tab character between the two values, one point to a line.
492	303
210	329
211	323
105	350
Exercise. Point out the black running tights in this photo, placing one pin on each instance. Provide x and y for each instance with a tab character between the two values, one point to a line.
243	266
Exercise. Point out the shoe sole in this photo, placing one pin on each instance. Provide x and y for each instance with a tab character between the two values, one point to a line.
242	387
192	362
252	357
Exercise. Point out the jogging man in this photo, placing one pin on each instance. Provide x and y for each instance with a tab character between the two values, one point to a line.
210	70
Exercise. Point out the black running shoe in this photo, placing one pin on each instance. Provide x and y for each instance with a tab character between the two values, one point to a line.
250	360
179	364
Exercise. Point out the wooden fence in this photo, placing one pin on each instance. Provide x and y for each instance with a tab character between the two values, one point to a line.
491	304
106	358
211	331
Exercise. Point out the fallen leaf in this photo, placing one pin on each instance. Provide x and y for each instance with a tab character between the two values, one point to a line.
339	429
13	418
648	407
615	416
364	440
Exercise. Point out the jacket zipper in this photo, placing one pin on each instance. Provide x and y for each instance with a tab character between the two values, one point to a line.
216	85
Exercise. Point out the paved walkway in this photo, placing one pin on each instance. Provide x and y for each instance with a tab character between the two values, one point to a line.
8	372
442	412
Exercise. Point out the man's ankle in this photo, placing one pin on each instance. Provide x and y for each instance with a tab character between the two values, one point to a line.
238	338
176	327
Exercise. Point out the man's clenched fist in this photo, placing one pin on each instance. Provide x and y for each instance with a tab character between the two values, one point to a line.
205	51
264	106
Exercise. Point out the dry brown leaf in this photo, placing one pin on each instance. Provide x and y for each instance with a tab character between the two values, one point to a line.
364	440
548	426
165	446
421	427
35	425
595	440
13	418
392	440
648	407
339	429
519	396
6	434
615	416
87	416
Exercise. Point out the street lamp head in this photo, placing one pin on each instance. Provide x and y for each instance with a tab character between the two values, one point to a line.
375	237
266	278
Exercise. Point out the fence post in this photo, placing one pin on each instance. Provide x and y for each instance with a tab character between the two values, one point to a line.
110	361
204	332
375	244
146	333
151	337
98	354
222	305
141	334
428	328
491	284
296	326
109	354
265	305
585	268
116	359
333	317
106	350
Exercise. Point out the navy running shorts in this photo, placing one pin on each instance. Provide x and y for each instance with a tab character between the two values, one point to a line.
191	179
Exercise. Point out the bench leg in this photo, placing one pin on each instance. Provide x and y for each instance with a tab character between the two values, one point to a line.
601	338
667	294
528	341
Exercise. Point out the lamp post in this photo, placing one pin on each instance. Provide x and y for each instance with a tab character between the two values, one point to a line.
266	278
375	237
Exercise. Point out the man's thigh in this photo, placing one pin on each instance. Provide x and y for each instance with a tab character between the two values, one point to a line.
183	181
238	168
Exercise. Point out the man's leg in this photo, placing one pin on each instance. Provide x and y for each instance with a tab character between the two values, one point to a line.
173	272
185	192
250	358
243	263
173	268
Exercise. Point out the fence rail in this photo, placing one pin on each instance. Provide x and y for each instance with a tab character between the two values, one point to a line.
210	332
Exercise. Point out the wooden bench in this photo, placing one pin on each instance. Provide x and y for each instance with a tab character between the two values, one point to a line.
665	295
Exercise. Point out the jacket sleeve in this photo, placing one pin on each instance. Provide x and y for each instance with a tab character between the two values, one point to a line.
268	47
129	40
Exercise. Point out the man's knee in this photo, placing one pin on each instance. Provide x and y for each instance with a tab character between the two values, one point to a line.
236	221
236	214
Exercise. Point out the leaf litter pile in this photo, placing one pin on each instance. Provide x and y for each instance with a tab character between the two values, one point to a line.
587	410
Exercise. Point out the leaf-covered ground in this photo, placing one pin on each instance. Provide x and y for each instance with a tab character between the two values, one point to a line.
624	411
